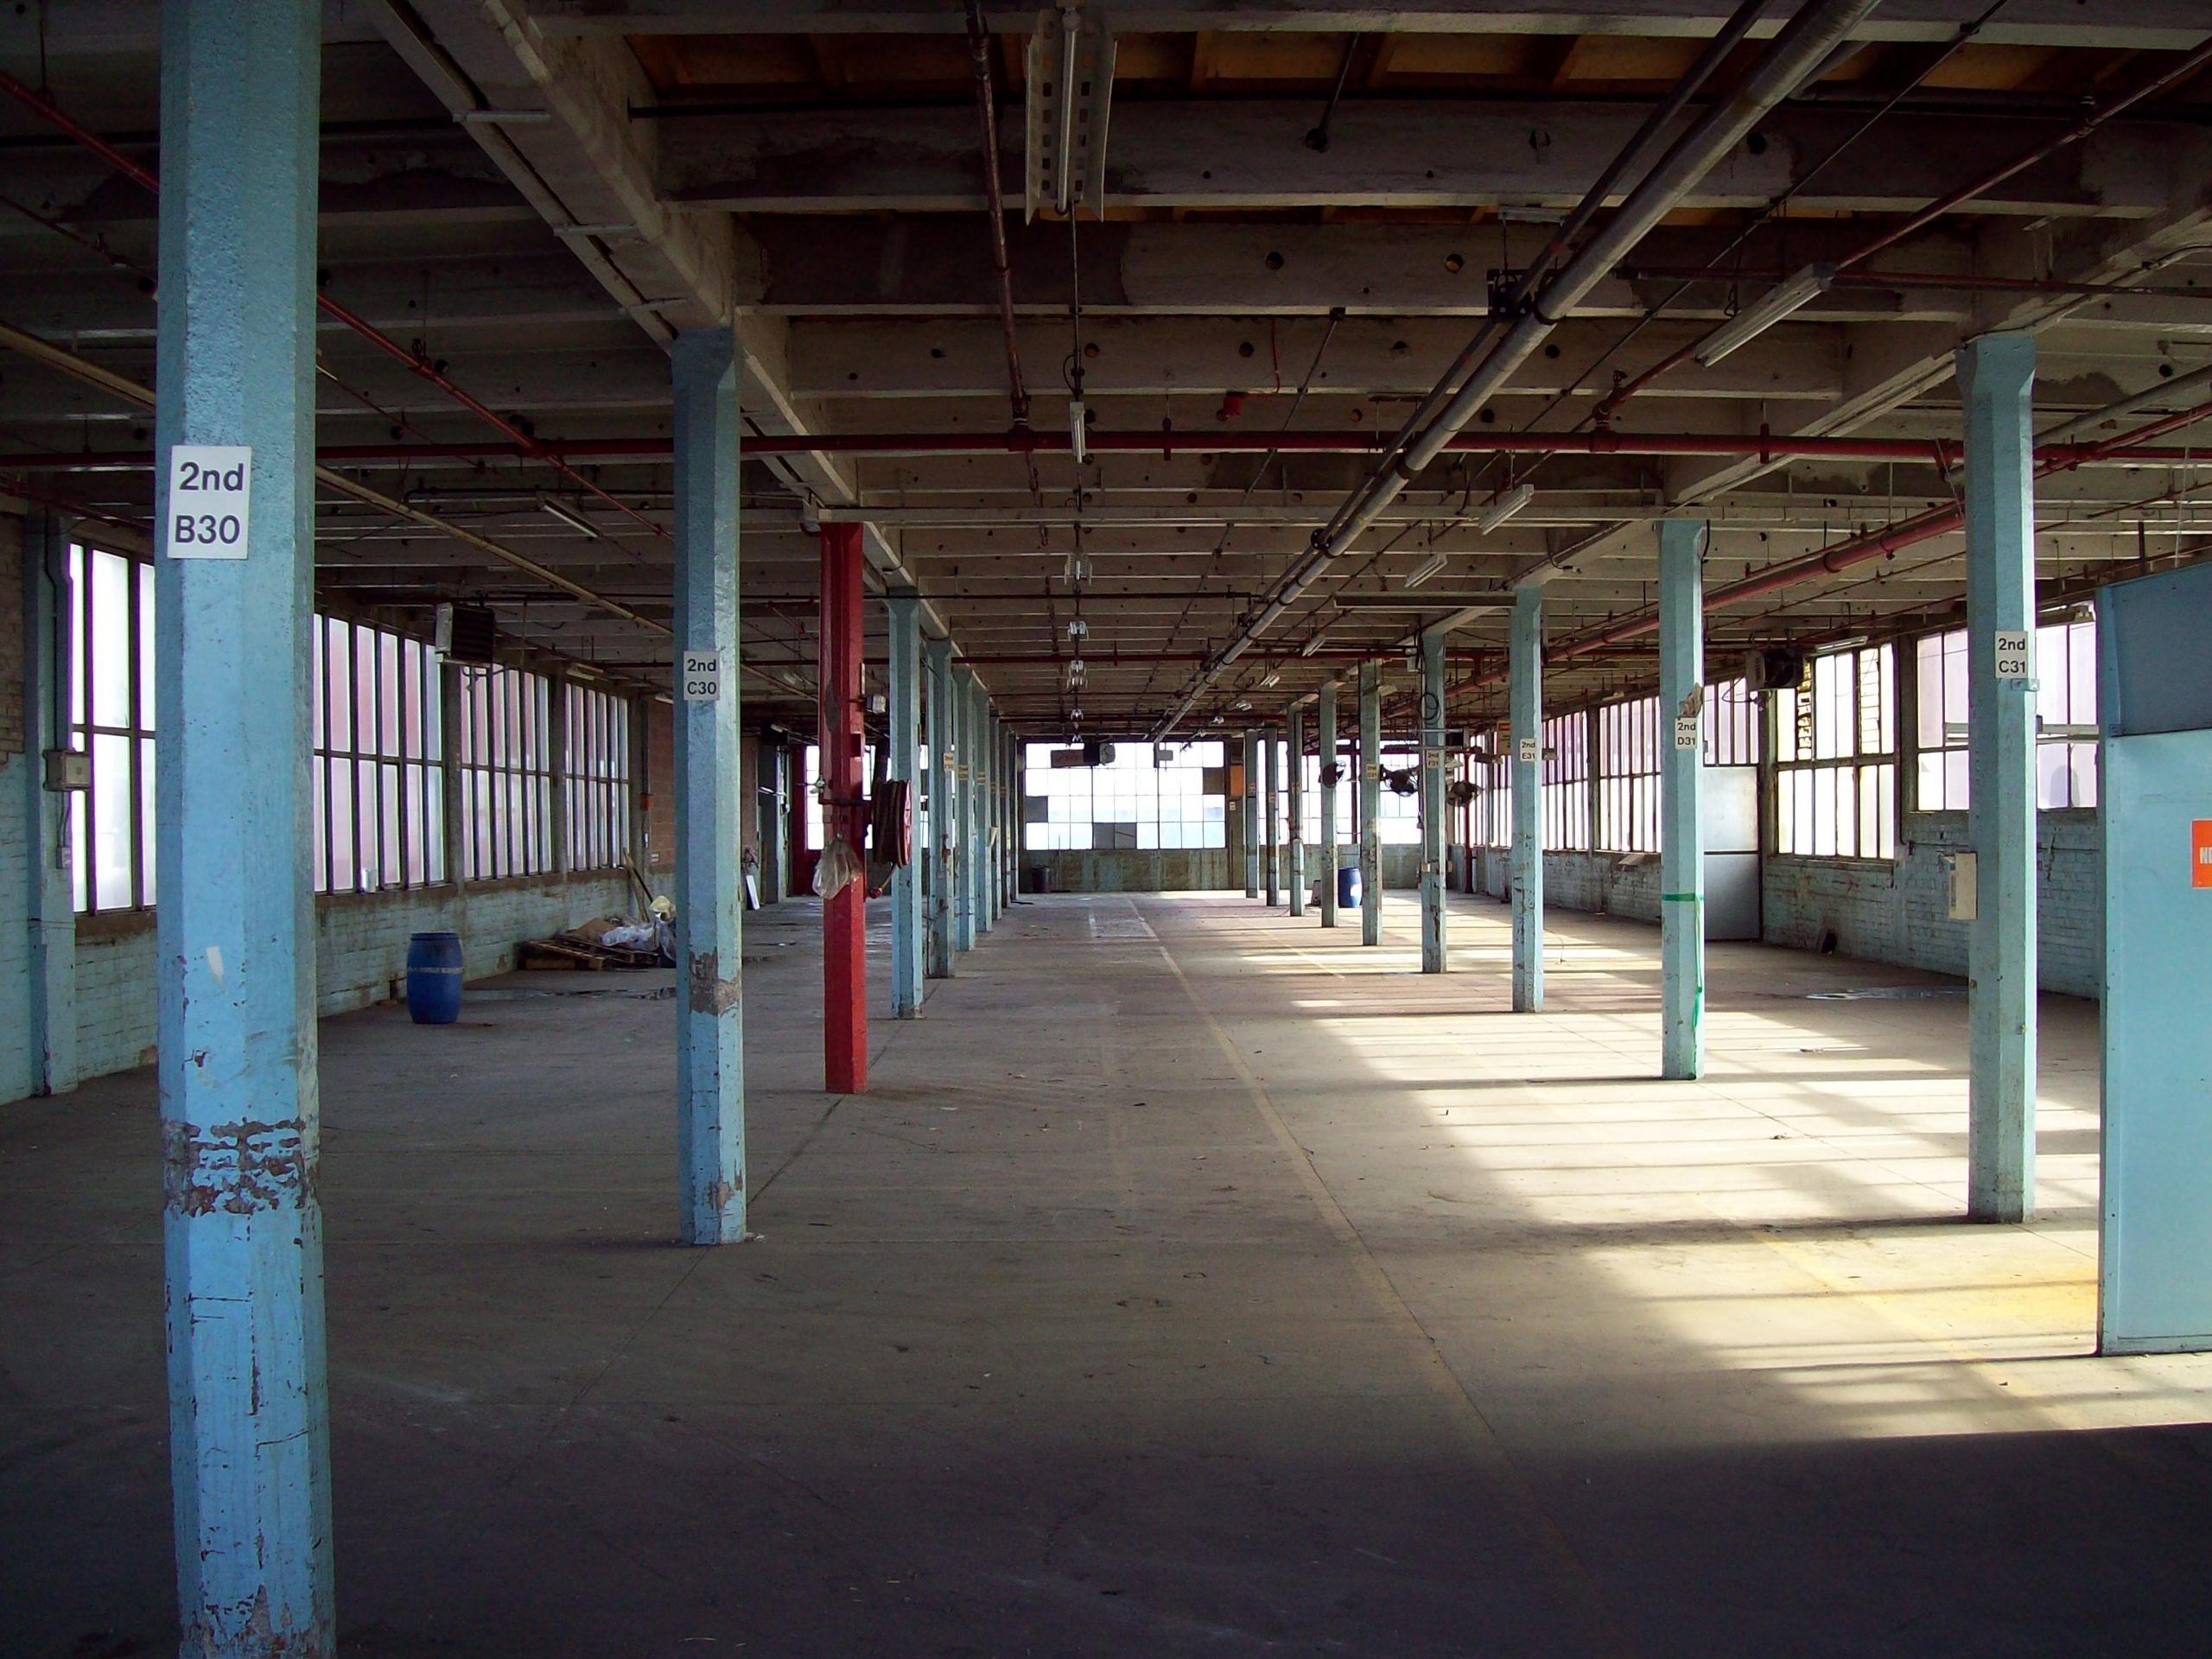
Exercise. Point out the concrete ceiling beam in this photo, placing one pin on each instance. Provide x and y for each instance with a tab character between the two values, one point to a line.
1157	356
589	170
2146	24
1385	152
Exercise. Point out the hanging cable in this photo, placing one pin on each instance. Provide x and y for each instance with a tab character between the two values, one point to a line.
987	113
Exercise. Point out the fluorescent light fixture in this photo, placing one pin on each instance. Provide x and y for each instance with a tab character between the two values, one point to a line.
1271	677
1753	320
1310	646
1504	507
1428	567
569	516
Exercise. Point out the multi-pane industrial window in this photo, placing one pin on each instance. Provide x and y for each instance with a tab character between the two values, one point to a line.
1732	724
112	720
1397	817
1628	776
1310	813
1567	784
1138	800
1494	796
2066	717
506	773
597	778
1835	750
811	795
379	797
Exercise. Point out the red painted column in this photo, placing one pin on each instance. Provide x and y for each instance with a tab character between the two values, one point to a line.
844	949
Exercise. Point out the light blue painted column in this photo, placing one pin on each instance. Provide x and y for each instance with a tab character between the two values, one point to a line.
978	803
1525	703
1370	803
1009	815
1251	814
1297	878
1017	792
1325	741
963	810
1432	960
710	876
904	613
998	817
997	851
234	919
942	720
1270	817
49	1038
986	789
1681	776
1996	379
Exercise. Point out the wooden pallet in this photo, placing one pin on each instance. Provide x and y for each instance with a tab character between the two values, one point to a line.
577	953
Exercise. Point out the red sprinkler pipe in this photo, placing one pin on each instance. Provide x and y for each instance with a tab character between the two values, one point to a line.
2087	124
1874	544
51	113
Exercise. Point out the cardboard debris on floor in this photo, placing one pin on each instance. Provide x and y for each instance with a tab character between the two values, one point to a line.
604	942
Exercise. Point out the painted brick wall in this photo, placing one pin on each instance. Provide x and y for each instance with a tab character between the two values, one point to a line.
1176	870
360	951
1877	911
1897	912
16	784
11	636
1608	884
1194	871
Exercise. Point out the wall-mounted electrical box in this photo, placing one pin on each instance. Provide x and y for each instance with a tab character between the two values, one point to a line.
1961	875
68	769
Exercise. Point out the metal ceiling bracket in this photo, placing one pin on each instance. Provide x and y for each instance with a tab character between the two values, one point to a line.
1069	82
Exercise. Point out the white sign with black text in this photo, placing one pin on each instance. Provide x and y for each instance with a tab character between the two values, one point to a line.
703	676
1686	731
2014	660
210	491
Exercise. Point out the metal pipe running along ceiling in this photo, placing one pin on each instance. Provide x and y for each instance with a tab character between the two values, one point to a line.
1805	44
1858	549
1946	455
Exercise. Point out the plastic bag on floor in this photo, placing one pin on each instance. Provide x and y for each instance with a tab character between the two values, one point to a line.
838	868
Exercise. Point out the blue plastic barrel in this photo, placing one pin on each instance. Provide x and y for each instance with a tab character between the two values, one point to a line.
434	978
1348	887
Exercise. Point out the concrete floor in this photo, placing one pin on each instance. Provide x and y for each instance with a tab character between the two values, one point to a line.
1192	1282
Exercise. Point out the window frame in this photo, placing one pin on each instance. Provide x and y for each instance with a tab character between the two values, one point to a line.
2072	644
1811	716
505	763
92	736
409	759
1061	805
595	777
1628	776
1564	770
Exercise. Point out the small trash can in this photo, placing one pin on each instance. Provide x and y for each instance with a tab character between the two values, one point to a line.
434	978
1348	887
